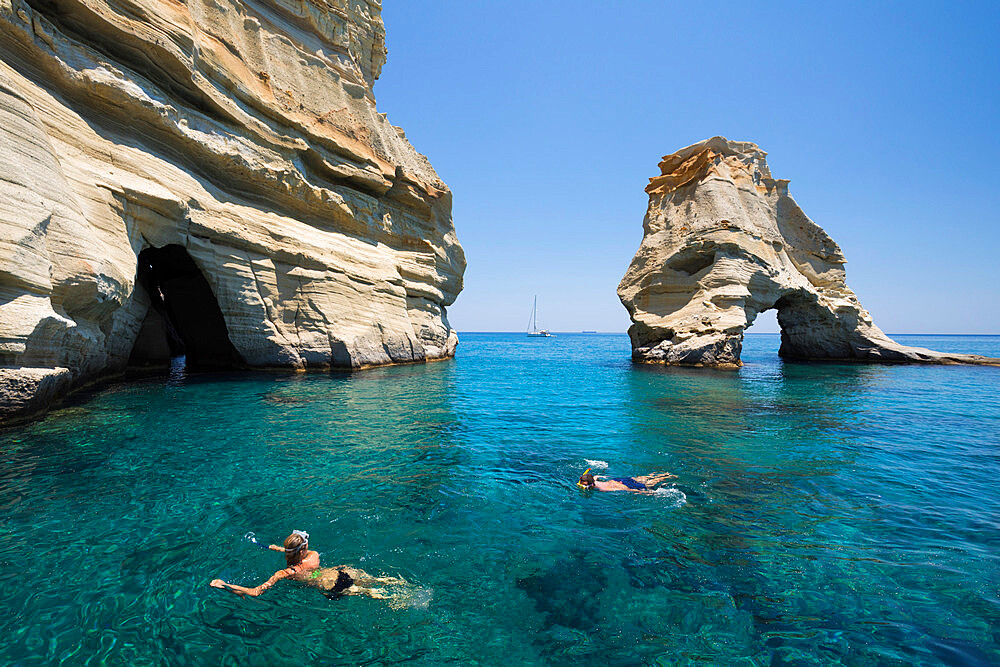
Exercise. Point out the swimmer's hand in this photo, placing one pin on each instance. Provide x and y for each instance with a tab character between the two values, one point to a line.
257	590
232	588
275	547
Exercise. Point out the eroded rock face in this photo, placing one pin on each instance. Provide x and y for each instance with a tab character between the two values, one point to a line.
723	241
244	133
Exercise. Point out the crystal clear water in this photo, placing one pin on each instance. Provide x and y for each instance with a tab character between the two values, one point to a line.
821	513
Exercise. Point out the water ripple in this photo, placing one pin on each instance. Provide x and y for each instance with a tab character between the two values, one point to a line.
822	513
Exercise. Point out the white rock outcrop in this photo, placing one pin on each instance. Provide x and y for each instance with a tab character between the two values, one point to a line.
723	241
244	136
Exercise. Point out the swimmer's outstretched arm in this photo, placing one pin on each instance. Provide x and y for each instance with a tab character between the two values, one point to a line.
243	590
275	547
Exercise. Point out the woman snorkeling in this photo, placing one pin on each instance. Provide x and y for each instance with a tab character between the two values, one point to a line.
303	566
640	484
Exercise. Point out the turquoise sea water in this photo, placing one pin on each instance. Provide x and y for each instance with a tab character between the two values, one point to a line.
822	513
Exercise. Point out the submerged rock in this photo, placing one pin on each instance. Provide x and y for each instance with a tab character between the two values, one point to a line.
237	145
723	241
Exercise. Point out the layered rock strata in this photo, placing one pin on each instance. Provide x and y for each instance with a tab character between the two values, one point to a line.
239	140
723	241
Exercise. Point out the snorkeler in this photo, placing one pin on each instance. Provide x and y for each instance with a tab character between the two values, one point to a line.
303	566
641	484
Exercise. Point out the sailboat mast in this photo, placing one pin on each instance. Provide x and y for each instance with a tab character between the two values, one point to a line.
534	314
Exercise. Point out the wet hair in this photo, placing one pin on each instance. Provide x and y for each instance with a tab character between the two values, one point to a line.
587	479
295	549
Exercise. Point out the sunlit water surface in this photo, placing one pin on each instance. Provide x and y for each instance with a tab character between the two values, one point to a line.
821	513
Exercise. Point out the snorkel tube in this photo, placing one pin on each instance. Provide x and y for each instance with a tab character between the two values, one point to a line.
582	486
253	538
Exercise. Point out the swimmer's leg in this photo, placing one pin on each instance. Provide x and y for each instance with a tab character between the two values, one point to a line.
397	599
355	589
374	593
363	577
655	478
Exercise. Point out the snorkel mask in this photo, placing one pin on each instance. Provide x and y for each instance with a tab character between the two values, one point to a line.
305	541
583	486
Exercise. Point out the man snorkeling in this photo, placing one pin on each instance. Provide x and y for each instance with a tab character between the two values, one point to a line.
640	484
303	566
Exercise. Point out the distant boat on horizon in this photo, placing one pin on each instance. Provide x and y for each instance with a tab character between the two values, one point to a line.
533	329
589	331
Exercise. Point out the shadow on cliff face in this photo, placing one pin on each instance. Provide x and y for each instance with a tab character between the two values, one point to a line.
183	318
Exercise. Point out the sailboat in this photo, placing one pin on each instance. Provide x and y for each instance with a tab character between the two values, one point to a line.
533	329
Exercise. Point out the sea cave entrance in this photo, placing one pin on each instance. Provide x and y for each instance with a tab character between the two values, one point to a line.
184	319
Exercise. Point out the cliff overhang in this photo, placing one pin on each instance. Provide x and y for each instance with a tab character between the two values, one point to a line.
244	133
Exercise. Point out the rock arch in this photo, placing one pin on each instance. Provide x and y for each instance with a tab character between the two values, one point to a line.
724	242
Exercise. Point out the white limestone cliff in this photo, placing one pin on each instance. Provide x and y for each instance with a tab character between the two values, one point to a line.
723	241
242	134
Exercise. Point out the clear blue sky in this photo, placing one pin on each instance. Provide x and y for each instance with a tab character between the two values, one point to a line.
547	118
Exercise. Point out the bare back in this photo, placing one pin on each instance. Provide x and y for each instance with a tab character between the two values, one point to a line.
305	566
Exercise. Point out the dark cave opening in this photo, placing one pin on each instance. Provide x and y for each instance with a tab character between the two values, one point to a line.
184	318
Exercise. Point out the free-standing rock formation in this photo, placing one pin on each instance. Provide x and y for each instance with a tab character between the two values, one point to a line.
209	177
723	241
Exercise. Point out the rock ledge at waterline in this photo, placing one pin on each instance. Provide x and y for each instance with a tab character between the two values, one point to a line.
723	241
244	138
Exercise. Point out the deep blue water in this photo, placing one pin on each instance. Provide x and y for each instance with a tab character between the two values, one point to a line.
822	513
